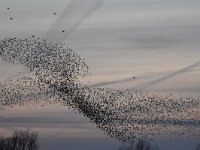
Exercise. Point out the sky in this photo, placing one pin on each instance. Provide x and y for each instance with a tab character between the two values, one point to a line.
155	41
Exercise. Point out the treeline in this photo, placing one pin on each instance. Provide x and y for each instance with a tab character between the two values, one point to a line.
144	145
20	140
29	140
139	145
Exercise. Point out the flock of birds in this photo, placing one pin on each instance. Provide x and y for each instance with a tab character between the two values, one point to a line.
55	73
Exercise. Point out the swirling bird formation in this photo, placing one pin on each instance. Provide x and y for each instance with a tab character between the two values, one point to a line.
126	115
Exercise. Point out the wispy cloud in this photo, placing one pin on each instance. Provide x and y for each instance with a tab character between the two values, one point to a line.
112	82
129	79
151	83
74	14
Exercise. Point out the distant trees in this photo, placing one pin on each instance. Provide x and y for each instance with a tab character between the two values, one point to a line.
144	145
197	147
29	140
139	145
126	147
20	140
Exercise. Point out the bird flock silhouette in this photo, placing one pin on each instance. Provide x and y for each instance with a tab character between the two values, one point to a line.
55	72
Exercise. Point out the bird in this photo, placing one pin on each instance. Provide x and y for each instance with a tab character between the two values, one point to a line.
11	18
54	13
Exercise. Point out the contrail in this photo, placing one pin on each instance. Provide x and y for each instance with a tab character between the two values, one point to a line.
73	15
111	82
115	82
146	84
150	83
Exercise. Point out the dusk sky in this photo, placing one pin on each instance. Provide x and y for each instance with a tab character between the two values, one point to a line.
155	41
